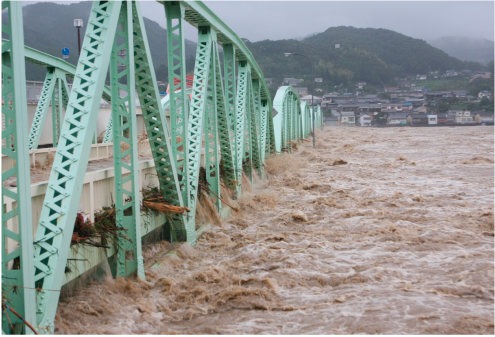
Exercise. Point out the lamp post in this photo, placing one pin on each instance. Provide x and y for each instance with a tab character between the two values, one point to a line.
312	87
78	23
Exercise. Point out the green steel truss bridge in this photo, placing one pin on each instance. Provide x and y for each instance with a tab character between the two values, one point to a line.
228	114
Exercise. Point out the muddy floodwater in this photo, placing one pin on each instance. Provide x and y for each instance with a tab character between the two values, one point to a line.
376	231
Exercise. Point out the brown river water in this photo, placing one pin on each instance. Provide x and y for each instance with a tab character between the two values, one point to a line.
376	231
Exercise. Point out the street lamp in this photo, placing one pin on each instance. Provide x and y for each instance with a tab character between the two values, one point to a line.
312	84
78	23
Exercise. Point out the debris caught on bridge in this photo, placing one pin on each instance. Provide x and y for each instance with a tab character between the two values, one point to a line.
100	233
154	202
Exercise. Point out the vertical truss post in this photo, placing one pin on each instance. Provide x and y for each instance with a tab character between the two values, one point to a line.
240	112
65	92
247	153
56	110
263	131
211	133
53	236
271	132
17	260
284	123
255	125
206	38
231	104
226	132
42	108
129	256
157	130
178	101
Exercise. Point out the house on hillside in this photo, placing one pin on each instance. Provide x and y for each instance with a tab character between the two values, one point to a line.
459	93
484	93
395	118
419	119
301	91
463	117
350	107
365	119
348	118
420	110
450	73
442	119
292	81
307	99
406	106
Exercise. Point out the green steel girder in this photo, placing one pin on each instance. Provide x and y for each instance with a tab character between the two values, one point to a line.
227	117
56	110
157	129
129	257
288	106
264	145
197	14
53	236
305	119
64	69
241	102
254	127
206	42
53	90
17	279
247	164
178	101
45	60
212	149
256	121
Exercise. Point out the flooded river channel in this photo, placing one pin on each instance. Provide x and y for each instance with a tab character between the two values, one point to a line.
376	231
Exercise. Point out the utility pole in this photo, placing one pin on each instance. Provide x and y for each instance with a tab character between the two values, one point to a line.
78	23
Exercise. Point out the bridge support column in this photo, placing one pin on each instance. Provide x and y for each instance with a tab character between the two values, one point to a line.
157	130
179	100
127	203
240	112
17	226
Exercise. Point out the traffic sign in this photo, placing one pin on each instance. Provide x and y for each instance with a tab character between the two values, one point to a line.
65	51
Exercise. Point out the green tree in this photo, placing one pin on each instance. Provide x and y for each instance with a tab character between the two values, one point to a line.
443	106
484	102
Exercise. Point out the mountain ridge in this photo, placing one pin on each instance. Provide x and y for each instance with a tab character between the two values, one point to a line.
465	48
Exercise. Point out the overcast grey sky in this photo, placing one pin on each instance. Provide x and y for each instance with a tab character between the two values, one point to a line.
274	20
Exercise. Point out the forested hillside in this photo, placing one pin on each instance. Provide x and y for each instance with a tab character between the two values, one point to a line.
375	56
49	27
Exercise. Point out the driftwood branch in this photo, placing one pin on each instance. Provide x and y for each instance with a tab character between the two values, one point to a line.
161	207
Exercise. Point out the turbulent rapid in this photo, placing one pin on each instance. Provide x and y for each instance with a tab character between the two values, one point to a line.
376	231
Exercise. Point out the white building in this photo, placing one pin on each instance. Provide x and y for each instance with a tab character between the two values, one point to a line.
463	117
365	120
432	120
